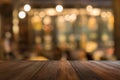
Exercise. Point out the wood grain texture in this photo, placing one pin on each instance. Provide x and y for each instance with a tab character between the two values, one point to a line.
59	70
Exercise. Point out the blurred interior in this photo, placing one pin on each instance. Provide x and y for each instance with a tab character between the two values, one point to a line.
56	30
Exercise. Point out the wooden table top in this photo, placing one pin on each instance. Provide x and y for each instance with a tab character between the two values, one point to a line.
60	70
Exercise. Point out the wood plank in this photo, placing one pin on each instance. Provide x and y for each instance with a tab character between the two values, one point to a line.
19	70
66	72
59	70
29	71
105	72
85	73
48	72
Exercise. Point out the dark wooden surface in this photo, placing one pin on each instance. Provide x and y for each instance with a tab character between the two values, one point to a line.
60	70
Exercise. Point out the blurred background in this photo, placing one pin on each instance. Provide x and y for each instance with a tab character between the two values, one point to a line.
57	30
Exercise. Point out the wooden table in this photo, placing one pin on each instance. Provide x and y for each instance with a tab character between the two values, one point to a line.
59	70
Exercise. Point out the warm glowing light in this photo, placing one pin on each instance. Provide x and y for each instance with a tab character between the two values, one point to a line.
22	14
47	20
103	14
36	22
36	19
59	8
67	18
109	14
98	54
96	12
51	12
91	46
89	8
42	14
16	29
71	17
27	7
62	38
92	24
105	37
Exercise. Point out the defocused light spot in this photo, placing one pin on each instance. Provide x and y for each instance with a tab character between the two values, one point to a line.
47	20
103	14
22	14
42	14
96	12
16	29
89	8
59	8
51	12
27	7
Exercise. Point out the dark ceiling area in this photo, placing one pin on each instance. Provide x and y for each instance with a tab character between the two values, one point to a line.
7	5
65	3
